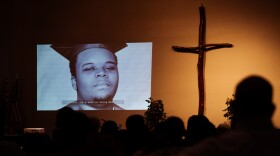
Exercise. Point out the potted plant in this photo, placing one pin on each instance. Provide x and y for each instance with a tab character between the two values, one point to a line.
228	110
155	113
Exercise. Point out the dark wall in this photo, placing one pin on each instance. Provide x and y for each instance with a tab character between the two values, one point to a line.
252	26
28	23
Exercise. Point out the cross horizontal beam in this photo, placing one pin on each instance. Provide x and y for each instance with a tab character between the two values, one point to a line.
207	47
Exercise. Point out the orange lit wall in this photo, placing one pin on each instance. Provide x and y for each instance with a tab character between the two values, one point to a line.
253	29
251	26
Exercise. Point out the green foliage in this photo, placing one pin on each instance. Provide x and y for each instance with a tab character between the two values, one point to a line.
228	110
155	113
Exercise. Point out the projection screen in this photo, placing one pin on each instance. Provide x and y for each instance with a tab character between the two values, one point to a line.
55	88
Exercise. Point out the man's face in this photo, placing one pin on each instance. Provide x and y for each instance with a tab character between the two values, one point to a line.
97	75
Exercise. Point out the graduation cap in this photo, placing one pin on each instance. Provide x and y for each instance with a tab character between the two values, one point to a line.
69	51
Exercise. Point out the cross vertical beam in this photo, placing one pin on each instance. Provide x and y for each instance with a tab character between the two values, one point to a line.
201	50
201	60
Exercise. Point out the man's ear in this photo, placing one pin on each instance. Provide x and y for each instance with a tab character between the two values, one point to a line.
74	83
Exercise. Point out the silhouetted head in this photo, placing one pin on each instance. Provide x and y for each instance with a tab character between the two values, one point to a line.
64	117
135	123
172	128
199	128
253	101
109	127
198	123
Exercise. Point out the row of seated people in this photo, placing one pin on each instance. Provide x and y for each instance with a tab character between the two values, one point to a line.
252	131
78	134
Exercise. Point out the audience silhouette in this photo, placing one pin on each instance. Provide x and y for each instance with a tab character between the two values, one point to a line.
198	129
251	133
223	128
110	128
171	131
136	136
77	134
167	134
254	107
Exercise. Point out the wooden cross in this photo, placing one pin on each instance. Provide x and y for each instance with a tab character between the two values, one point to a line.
201	50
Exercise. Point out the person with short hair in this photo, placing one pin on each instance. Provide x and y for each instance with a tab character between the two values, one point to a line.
94	74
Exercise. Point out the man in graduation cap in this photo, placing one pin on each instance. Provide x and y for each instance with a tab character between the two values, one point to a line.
94	74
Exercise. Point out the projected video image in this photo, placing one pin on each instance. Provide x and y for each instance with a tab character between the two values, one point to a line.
95	76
